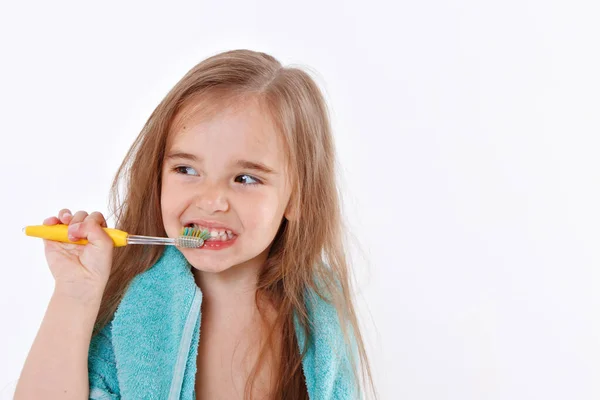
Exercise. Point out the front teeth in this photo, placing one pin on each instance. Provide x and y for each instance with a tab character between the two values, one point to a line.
217	234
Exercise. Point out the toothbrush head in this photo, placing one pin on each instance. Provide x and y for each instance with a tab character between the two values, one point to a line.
192	238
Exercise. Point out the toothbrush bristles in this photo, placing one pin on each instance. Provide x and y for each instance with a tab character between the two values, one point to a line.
198	233
192	238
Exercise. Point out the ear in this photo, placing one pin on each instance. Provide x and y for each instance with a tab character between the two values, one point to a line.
291	211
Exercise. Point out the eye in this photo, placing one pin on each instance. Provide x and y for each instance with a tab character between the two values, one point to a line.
247	180
183	170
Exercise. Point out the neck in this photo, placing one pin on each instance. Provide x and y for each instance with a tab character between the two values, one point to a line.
234	288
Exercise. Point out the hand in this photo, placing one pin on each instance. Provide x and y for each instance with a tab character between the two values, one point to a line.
80	271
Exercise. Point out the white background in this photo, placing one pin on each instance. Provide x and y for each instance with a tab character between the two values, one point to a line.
469	136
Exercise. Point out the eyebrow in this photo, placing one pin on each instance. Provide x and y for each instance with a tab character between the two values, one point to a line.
182	155
253	165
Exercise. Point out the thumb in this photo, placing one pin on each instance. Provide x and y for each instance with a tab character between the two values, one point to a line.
93	232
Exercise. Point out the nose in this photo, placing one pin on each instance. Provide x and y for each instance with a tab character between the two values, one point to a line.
211	198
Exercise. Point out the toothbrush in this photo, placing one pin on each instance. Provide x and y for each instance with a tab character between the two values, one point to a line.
189	237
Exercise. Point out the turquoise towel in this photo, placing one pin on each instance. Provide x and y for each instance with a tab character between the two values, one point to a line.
149	349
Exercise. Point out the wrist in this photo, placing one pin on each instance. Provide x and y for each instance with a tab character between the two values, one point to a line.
75	316
85	296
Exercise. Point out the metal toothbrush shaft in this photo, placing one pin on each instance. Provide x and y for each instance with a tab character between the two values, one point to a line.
137	239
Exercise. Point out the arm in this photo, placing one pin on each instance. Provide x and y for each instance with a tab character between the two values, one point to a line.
57	364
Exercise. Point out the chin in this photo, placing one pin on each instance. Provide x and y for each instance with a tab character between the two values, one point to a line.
215	269
207	262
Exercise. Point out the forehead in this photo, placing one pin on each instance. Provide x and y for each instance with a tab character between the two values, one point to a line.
240	127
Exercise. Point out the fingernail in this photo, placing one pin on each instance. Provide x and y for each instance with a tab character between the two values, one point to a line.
72	228
67	214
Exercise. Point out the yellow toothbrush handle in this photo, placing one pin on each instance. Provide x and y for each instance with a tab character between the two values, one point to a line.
59	233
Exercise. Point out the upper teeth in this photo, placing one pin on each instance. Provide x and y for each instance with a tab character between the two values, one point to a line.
215	233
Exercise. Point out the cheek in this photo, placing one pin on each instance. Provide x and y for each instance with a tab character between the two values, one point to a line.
262	214
171	205
166	199
173	193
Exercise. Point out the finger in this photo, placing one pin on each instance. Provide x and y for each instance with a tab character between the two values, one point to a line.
98	217
51	221
91	230
64	216
74	232
78	217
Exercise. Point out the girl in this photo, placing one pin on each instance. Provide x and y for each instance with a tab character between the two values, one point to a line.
242	147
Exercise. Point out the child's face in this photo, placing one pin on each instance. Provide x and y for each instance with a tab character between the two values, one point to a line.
232	181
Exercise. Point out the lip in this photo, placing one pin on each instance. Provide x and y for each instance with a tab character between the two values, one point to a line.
218	245
209	224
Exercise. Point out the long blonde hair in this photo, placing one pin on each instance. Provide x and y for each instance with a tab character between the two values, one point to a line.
306	249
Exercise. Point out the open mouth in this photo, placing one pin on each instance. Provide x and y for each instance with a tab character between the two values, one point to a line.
216	235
